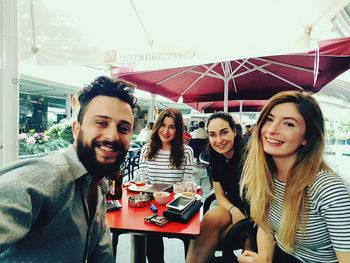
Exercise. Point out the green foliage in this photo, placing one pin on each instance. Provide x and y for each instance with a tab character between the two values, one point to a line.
37	148
61	131
347	126
57	137
66	133
54	130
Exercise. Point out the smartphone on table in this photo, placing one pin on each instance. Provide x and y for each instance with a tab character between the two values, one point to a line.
180	203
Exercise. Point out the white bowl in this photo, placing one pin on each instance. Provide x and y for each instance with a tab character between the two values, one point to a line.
161	197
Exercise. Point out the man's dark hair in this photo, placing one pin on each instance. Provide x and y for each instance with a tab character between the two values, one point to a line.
105	86
201	124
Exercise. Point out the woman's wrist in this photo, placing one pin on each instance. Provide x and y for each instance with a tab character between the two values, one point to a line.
231	207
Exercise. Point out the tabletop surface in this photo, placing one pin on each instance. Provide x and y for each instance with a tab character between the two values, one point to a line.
131	219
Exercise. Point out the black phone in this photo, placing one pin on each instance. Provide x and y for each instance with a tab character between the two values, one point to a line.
113	205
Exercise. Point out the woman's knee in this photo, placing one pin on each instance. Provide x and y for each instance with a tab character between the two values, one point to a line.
216	218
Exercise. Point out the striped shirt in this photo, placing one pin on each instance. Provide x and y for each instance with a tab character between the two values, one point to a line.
328	221
160	169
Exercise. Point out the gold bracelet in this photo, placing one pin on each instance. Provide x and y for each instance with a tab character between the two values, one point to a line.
229	210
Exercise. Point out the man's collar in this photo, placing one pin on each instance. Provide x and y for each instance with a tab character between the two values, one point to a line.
75	166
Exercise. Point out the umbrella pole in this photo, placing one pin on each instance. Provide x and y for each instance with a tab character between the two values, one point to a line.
225	95
240	111
151	108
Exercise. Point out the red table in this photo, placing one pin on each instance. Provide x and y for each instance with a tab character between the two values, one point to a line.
131	220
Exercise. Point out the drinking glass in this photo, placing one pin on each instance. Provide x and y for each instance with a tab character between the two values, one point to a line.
191	186
178	187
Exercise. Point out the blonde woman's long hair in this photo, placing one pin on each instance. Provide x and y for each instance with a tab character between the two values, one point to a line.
259	168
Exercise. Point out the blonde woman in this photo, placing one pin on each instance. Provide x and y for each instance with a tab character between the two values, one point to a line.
297	201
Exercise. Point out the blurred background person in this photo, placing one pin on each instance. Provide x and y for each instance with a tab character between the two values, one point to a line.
248	132
200	132
239	130
145	134
187	135
64	118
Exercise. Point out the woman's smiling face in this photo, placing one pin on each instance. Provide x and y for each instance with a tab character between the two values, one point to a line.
283	131
221	137
167	131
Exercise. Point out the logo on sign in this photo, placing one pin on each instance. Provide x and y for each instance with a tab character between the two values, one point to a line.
110	56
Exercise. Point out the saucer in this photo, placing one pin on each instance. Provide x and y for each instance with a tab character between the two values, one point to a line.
135	188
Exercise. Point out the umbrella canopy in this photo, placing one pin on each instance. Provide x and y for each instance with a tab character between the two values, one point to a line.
157	31
252	78
233	106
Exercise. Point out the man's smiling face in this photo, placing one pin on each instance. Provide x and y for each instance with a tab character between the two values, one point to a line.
103	137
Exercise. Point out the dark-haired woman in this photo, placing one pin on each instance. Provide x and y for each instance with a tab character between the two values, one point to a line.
225	158
165	160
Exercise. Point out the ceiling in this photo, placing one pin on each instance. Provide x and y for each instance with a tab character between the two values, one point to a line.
36	86
32	85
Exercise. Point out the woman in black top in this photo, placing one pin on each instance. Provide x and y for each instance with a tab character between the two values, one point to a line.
225	158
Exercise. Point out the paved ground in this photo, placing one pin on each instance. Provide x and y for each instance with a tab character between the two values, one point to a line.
174	251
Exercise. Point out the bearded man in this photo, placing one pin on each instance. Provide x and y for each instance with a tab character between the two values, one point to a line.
53	209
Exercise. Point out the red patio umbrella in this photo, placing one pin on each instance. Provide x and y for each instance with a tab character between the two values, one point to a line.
250	78
233	106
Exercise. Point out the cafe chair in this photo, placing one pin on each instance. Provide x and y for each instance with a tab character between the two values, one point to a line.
197	146
135	164
204	160
136	144
235	237
131	163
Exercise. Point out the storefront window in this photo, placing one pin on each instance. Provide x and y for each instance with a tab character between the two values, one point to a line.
37	112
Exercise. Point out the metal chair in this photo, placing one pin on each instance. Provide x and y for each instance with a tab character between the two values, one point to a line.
131	163
197	145
204	159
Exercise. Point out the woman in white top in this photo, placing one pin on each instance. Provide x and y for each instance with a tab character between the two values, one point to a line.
296	200
165	160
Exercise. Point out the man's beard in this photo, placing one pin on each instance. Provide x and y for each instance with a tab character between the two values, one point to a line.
87	155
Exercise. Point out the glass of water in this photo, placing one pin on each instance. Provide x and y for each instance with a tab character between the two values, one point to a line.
178	187
191	186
